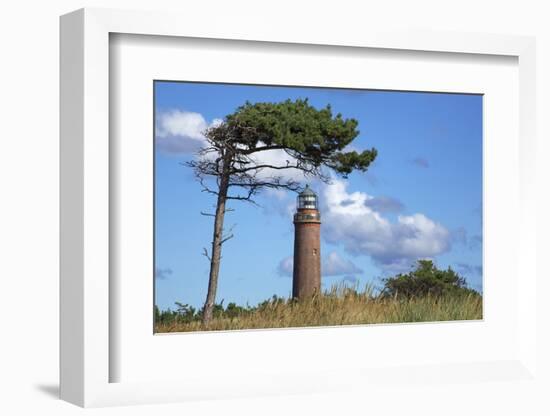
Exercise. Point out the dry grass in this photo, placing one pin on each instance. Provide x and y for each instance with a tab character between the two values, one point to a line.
340	306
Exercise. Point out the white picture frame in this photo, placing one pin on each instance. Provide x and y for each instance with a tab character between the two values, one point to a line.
86	353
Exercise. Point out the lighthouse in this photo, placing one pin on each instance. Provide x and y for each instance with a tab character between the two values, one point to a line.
306	280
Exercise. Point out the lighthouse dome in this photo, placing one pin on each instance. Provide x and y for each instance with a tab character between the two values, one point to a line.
307	199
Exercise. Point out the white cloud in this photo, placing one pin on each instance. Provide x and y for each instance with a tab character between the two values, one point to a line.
286	266
384	204
178	131
334	265
350	221
277	157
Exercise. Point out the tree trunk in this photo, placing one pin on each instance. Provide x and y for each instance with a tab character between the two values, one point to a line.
215	256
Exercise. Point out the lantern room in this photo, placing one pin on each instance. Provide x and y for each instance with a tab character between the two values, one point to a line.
307	199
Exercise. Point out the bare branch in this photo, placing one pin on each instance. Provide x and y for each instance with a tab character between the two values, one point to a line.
205	187
205	254
229	237
244	199
262	149
258	167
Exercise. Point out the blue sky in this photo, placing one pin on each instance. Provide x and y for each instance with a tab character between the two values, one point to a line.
420	199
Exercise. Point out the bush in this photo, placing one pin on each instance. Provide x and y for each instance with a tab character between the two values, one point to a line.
426	279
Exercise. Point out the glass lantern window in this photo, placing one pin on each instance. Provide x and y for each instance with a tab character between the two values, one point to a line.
309	202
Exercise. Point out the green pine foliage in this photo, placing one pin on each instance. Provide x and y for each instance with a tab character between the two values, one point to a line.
316	137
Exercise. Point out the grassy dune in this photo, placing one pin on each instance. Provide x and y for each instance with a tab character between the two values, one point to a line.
339	306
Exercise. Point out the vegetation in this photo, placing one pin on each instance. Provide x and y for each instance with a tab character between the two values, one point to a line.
424	294
426	280
231	166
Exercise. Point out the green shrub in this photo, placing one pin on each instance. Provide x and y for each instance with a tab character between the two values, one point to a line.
426	279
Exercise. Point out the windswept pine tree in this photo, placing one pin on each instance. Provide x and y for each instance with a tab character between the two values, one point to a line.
232	165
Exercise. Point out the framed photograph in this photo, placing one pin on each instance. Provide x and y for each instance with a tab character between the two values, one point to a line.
274	206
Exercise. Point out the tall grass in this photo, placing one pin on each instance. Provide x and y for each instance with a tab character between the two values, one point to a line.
339	306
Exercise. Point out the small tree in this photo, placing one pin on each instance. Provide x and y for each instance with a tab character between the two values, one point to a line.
312	139
426	279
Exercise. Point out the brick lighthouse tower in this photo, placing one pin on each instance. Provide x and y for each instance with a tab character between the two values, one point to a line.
307	246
